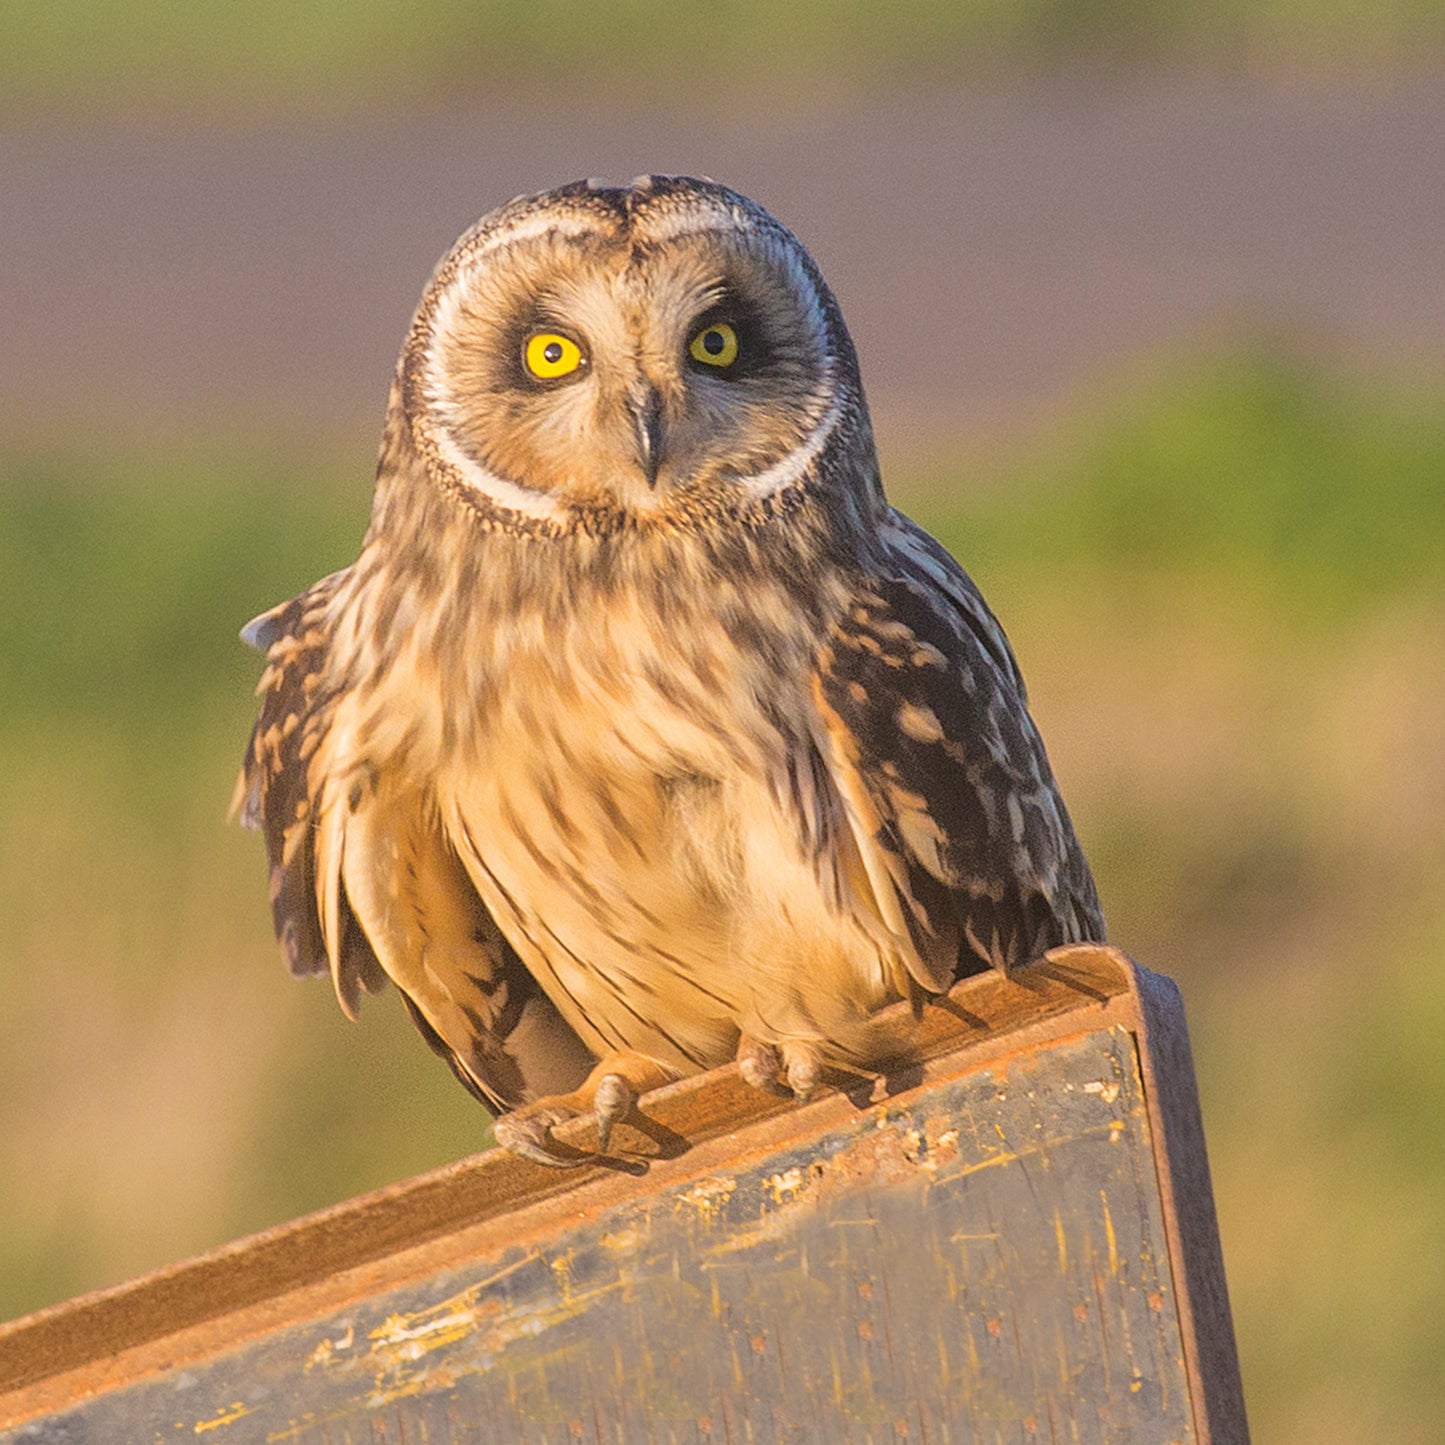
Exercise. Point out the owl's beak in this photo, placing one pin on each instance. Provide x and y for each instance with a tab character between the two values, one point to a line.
645	405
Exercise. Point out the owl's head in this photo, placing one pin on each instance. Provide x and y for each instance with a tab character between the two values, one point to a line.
629	353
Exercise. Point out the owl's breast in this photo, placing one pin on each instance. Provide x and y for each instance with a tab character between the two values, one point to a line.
618	808
594	794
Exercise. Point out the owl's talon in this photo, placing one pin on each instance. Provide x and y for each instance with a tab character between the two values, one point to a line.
804	1068
760	1064
528	1133
610	1091
793	1065
612	1101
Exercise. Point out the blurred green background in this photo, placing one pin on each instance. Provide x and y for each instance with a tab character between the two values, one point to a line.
1184	425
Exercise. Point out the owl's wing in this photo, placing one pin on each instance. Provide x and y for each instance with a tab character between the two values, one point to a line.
924	723
364	884
277	790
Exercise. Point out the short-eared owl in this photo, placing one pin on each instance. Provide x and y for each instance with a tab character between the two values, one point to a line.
644	734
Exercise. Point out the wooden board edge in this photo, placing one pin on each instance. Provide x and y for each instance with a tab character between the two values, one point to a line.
1190	1221
322	1261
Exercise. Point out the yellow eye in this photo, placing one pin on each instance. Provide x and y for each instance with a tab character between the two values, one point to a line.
715	345
549	356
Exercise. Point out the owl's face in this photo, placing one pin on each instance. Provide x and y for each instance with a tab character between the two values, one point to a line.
626	351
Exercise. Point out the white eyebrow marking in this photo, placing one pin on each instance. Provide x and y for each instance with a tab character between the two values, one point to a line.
694	222
792	467
525	228
509	495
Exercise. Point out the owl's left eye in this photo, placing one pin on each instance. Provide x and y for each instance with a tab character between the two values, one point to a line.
549	355
715	345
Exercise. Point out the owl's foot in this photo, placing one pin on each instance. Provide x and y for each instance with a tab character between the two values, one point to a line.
793	1064
610	1092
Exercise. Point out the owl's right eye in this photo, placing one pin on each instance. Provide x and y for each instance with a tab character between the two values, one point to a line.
549	355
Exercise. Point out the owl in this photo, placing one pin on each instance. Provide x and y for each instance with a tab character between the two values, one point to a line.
644	735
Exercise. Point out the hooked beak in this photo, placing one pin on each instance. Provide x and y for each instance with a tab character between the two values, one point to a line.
645	405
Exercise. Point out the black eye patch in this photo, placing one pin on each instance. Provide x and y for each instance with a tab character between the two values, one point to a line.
527	323
755	349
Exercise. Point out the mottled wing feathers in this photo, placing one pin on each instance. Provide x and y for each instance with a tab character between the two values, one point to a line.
944	777
364	885
277	790
473	998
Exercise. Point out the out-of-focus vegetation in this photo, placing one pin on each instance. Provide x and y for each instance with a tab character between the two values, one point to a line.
1227	588
1228	592
318	56
138	1007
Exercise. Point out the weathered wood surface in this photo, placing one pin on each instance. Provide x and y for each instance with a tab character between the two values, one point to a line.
1013	1241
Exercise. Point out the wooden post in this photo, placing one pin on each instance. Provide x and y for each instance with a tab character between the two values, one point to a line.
1013	1240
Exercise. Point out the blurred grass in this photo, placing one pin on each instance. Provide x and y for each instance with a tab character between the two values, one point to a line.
318	56
1227	588
166	1087
1251	470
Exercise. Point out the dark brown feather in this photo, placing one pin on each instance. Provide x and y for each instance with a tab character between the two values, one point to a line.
275	791
920	678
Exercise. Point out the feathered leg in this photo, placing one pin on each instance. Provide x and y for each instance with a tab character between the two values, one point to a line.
794	1064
